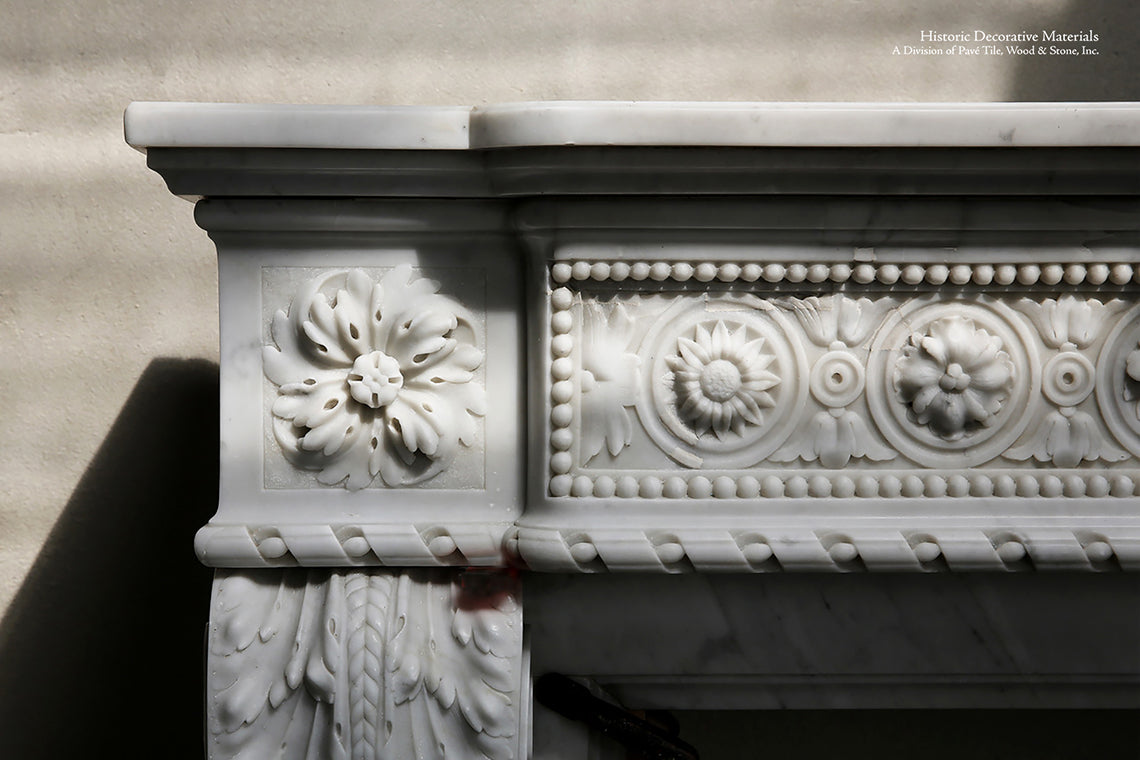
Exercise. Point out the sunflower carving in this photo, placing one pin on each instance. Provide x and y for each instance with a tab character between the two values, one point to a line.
721	380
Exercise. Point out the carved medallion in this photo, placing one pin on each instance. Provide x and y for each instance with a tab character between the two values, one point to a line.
721	380
954	378
1118	381
726	381
374	378
953	384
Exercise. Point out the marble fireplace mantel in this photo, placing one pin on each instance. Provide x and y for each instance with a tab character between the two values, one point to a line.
669	338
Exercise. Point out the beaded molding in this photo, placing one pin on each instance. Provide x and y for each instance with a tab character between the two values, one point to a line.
317	545
867	486
863	274
768	550
565	480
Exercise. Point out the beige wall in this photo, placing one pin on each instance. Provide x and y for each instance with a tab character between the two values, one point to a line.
102	271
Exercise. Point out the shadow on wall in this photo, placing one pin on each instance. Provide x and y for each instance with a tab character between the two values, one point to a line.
1110	75
101	652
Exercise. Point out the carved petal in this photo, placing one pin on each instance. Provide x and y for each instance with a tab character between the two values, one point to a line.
748	407
692	353
604	422
721	342
993	376
1132	366
422	334
837	317
818	316
925	396
416	423
936	348
916	372
454	363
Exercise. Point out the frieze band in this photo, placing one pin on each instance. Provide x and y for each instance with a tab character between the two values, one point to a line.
769	393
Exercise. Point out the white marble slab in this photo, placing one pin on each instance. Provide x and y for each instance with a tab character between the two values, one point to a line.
589	123
838	642
248	125
996	125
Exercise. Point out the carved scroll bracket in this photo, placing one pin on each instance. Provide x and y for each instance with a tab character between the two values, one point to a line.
367	665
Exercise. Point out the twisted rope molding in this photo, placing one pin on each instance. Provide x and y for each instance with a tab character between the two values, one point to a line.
804	550
351	545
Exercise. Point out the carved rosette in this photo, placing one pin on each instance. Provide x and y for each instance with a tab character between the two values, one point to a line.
726	383
721	380
954	378
374	378
1118	381
953	384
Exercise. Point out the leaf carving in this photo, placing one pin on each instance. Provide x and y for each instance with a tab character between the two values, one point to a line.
836	318
1066	438
609	379
1068	319
834	437
362	665
273	664
451	661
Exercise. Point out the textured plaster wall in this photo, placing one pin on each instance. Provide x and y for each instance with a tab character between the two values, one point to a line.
102	271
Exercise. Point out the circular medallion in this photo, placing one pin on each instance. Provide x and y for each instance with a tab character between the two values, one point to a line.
1069	378
952	384
837	379
725	384
1118	381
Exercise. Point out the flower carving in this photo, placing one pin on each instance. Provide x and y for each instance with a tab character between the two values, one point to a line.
955	378
1132	365
721	380
1132	380
376	380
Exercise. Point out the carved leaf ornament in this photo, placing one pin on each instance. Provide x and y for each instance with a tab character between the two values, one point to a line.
378	379
837	379
362	665
609	379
